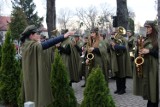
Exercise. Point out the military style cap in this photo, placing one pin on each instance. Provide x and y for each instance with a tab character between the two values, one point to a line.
63	31
76	35
153	24
149	22
94	30
28	30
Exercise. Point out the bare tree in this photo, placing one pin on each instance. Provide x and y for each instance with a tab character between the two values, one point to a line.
131	14
87	16
104	19
106	11
51	16
122	13
64	18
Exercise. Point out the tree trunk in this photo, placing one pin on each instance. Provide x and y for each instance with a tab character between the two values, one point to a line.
159	37
122	13
51	16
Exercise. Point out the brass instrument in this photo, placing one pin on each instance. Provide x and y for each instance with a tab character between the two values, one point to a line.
120	31
139	60
117	38
90	55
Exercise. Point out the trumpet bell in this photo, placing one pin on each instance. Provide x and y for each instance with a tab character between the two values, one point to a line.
121	30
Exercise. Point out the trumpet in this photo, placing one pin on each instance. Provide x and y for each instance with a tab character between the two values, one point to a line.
139	60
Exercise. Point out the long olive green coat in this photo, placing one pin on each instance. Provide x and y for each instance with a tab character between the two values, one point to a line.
147	87
131	43
36	66
131	47
123	60
101	60
120	60
113	65
78	57
71	61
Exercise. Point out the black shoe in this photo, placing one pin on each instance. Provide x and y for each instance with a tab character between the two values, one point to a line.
116	92
83	85
121	92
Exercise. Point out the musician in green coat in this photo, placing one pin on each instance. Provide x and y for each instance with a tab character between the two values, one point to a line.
98	48
70	57
113	66
147	84
77	46
131	46
119	49
36	66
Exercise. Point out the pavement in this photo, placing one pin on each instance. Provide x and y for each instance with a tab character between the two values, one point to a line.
125	100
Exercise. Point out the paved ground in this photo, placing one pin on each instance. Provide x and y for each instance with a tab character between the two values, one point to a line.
125	100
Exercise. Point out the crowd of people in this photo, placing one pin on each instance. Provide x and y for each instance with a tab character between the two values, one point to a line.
81	54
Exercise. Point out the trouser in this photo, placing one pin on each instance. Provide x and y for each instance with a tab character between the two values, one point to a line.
120	84
150	104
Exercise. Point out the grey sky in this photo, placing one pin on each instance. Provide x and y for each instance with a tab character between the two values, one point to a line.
144	9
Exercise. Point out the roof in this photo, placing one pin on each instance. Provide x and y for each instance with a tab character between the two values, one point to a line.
4	21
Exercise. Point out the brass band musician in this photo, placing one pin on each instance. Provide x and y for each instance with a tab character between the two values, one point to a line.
147	85
98	50
119	47
131	46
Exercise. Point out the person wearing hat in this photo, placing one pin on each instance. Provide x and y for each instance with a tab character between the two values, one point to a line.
70	57
36	65
131	46
77	48
147	85
97	47
83	68
120	62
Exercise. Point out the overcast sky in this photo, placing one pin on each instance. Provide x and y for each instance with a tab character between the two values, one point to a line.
144	9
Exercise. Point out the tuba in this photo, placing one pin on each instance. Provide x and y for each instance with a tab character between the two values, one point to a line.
139	60
120	31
